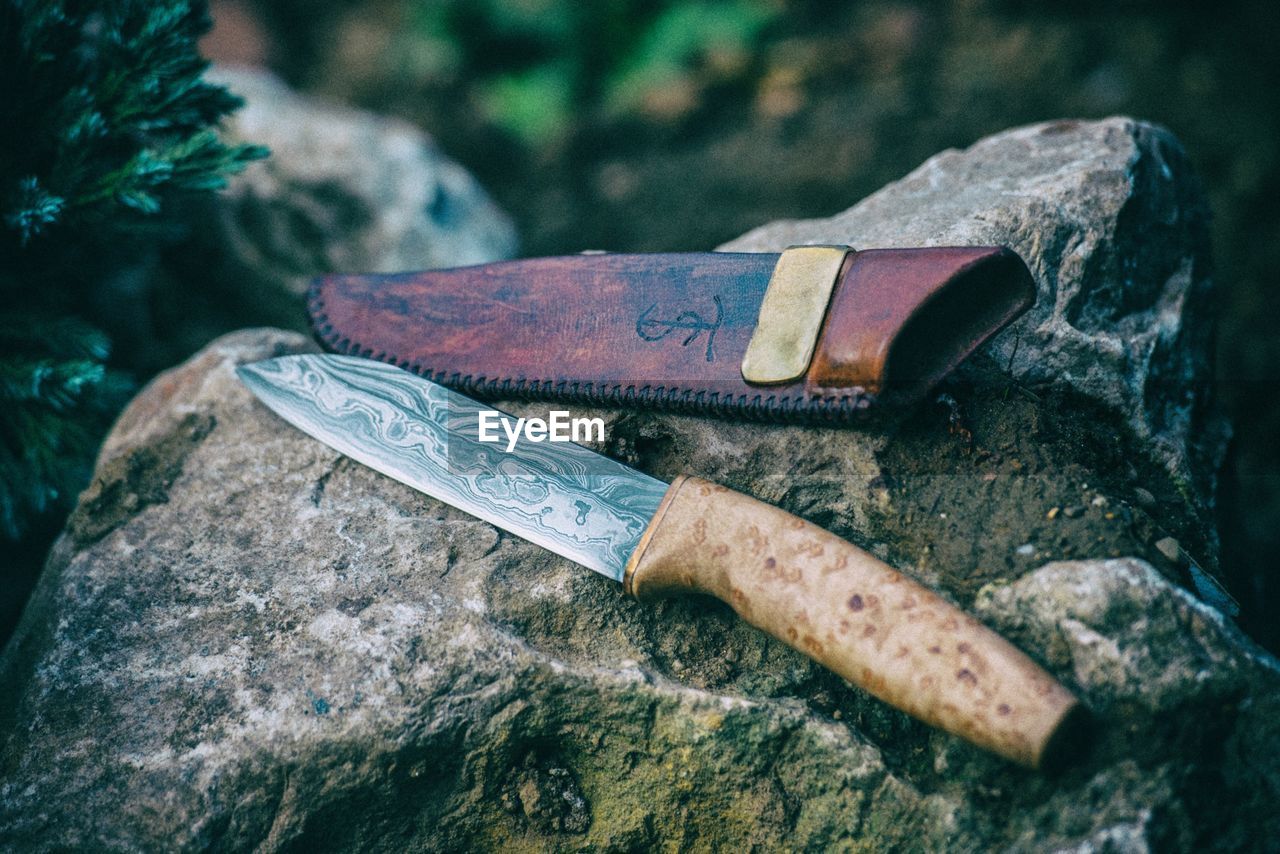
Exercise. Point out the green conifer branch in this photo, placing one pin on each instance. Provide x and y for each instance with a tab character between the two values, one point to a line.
104	117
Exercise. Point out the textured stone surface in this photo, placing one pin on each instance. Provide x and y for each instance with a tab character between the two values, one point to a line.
1192	701
343	190
243	640
1114	226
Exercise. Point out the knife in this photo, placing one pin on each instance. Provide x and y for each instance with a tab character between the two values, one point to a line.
827	598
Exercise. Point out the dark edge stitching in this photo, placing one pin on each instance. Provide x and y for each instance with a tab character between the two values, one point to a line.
855	405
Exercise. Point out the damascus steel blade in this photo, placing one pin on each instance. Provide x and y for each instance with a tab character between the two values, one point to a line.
575	502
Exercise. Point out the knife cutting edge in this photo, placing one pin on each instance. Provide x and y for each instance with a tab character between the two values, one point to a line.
834	602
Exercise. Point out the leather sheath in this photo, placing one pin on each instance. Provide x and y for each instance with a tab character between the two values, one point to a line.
671	330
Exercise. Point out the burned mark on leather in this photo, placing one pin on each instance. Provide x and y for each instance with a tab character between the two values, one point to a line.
691	322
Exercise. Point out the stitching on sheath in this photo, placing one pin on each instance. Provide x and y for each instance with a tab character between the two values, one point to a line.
853	404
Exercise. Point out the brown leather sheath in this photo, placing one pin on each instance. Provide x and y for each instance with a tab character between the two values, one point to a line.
672	330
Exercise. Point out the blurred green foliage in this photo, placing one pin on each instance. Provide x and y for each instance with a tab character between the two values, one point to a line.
538	64
104	116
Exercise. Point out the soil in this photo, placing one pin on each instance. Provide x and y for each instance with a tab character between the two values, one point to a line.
996	463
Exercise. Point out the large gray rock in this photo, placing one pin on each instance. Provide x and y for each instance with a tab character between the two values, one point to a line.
243	639
1114	226
343	190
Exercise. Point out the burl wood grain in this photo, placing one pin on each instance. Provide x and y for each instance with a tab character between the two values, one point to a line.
854	614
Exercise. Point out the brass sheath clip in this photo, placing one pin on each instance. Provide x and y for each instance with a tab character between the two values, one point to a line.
791	313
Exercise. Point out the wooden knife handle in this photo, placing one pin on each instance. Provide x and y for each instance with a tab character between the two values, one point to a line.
855	615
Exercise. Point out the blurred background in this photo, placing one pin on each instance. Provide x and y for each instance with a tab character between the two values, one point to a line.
659	125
